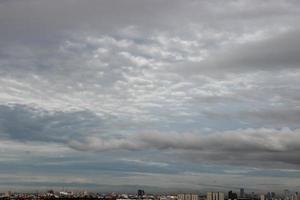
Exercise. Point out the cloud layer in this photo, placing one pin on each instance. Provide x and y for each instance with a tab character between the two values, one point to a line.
135	88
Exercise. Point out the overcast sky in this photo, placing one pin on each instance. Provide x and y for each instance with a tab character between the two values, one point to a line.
166	95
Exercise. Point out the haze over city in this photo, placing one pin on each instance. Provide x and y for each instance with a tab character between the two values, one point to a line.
163	95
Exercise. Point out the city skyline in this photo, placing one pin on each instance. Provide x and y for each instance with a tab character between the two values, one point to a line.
141	194
160	94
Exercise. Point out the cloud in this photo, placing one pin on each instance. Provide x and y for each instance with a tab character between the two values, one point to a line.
276	52
268	117
99	144
254	147
169	81
276	117
145	163
81	131
24	123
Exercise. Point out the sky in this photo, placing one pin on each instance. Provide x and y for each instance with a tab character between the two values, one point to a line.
165	95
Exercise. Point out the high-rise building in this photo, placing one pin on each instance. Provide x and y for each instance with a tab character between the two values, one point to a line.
269	196
286	194
187	197
180	197
215	196
209	196
221	196
242	193
195	197
295	196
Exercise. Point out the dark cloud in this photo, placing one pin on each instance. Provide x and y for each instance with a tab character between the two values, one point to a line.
24	123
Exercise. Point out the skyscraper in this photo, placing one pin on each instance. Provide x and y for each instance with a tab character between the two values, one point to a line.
221	196
215	196
209	196
242	193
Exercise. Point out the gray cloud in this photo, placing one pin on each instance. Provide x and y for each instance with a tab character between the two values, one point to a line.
28	124
273	117
278	52
281	117
81	131
111	79
253	147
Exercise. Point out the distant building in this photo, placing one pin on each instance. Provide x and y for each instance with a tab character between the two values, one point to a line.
262	197
187	197
286	192
195	197
180	197
295	196
215	196
140	193
221	196
232	195
242	193
269	196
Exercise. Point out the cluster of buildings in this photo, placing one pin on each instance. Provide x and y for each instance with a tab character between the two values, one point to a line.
187	197
287	195
216	195
141	195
